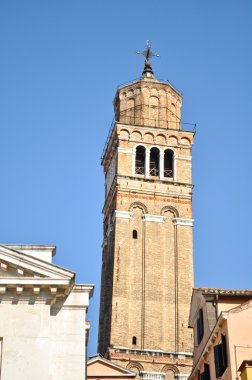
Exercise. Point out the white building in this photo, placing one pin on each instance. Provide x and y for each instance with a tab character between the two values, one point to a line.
43	327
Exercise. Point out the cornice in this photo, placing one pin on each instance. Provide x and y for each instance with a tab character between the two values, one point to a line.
151	128
42	268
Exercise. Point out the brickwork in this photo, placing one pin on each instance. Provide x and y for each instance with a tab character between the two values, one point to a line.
147	280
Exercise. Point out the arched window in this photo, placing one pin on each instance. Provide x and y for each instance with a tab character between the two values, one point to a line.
140	160
168	163
134	340
134	234
154	162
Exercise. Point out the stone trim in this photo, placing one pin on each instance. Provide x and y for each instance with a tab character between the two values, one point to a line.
183	222
29	281
123	214
124	150
153	218
187	158
148	375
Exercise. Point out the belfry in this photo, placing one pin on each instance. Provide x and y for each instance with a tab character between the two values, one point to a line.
147	266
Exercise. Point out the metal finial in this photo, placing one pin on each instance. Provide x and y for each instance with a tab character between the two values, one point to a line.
147	53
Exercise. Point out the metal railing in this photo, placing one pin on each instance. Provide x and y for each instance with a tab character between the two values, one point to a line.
139	169
168	173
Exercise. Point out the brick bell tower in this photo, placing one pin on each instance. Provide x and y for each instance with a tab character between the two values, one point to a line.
147	266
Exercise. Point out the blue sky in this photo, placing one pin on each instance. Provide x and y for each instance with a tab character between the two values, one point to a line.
61	62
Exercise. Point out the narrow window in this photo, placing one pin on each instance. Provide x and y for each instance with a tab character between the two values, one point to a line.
154	162
200	327
140	160
168	163
220	357
134	340
206	374
134	234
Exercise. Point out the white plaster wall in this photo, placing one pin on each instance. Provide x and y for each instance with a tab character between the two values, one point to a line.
43	343
68	339
25	330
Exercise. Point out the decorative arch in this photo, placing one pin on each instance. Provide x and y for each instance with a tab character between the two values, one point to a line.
136	136
170	367
170	371
185	141
122	95
162	92
139	205
148	137
154	92
136	146
160	139
171	209
137	91
135	365
145	89
124	134
130	93
172	140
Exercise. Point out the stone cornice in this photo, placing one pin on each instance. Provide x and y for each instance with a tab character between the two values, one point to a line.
32	264
153	218
123	214
31	281
154	129
183	222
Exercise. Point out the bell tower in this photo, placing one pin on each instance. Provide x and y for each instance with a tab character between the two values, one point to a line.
147	266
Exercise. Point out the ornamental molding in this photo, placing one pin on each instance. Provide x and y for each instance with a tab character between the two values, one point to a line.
183	222
124	150
187	158
123	214
154	218
146	375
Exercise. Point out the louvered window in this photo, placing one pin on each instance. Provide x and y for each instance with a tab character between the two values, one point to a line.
206	374
220	357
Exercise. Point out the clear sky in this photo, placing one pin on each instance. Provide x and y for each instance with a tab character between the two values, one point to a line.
61	62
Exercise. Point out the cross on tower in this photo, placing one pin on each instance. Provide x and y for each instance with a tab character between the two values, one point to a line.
147	53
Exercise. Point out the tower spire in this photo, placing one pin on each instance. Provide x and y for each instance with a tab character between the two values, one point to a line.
147	53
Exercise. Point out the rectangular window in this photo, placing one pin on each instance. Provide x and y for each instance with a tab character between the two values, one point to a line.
200	327
220	357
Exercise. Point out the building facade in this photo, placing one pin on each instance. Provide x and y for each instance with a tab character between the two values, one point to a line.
147	266
43	327
99	368
222	324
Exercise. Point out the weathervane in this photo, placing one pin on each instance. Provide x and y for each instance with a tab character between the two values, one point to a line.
147	53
